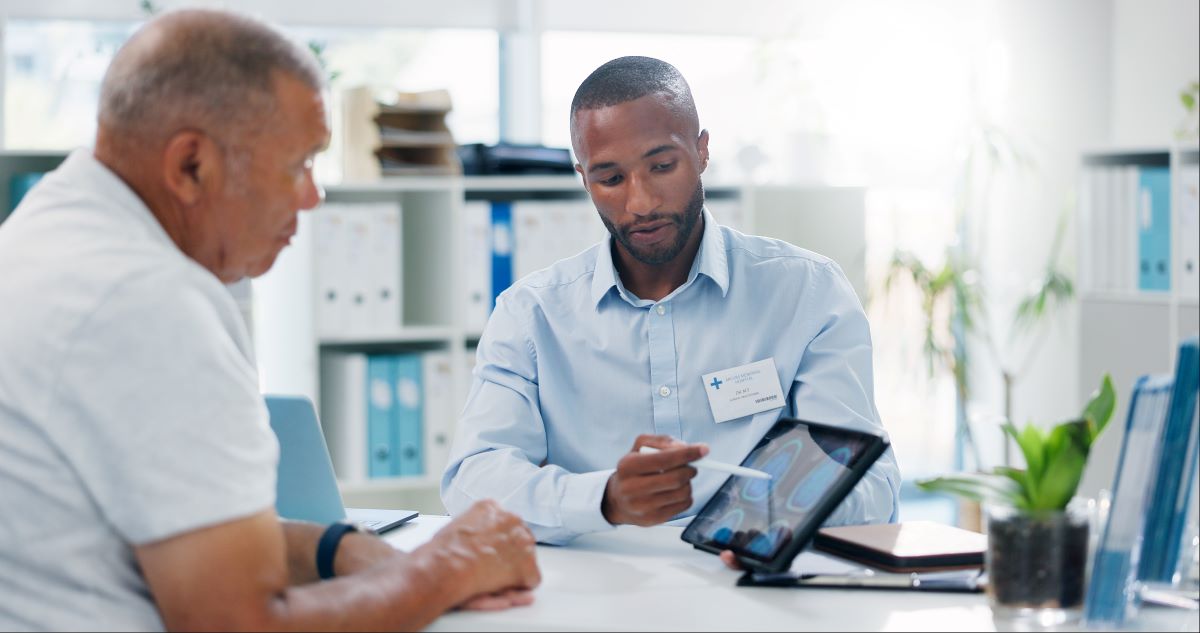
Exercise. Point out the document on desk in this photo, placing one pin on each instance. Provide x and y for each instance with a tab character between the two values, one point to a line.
813	569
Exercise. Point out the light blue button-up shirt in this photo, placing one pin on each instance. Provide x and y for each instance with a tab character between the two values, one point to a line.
572	367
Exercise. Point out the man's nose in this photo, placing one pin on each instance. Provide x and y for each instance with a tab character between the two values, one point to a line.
312	196
642	198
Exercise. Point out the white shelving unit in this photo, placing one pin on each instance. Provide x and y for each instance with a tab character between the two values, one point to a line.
1129	333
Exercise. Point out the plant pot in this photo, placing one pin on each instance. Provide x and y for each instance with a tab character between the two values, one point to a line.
1037	563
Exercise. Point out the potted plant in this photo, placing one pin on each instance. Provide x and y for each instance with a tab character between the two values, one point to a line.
1037	539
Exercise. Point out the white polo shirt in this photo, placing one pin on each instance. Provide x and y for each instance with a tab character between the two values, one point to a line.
129	403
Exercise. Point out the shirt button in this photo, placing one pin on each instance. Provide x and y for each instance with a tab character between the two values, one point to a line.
661	310
664	391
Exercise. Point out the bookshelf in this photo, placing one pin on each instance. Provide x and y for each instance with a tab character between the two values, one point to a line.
1124	328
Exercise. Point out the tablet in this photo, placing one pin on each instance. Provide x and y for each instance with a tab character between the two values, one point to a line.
767	522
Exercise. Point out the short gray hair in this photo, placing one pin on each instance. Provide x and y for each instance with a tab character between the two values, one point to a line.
200	68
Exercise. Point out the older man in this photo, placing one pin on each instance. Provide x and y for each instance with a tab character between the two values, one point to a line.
137	468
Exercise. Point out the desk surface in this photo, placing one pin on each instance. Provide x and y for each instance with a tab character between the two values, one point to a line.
646	579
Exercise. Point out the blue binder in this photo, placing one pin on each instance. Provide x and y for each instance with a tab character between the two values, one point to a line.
380	395
1112	595
408	416
502	248
1167	514
1154	228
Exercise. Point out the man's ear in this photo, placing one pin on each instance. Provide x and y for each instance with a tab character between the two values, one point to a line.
579	170
702	149
191	166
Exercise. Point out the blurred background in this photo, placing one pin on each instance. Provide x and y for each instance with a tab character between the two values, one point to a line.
954	156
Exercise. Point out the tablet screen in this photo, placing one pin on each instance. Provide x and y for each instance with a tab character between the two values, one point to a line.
813	466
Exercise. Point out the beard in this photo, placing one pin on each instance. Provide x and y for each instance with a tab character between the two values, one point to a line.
685	223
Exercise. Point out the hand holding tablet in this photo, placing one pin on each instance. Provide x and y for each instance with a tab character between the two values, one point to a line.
765	523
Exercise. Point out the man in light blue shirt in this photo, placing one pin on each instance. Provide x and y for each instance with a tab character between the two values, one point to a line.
606	350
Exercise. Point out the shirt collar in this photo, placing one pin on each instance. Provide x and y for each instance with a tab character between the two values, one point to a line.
711	261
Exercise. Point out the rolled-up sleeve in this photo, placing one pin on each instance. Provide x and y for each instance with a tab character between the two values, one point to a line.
835	384
500	446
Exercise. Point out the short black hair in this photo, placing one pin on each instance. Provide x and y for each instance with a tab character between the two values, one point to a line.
628	78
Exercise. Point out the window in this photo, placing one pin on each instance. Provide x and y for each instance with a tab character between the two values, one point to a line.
53	70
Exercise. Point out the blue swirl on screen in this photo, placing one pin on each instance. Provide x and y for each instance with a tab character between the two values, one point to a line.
776	466
810	489
725	528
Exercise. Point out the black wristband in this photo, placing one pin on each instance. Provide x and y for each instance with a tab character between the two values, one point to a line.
328	545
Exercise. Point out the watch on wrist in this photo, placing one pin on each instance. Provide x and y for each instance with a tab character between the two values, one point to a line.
328	545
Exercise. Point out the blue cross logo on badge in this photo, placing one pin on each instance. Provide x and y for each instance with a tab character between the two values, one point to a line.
716	383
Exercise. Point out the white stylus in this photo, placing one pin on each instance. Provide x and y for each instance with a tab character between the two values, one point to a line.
710	464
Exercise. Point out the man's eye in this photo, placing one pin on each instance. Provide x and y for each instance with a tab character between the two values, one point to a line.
663	166
611	181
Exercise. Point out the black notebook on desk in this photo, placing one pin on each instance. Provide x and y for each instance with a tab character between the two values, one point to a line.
914	546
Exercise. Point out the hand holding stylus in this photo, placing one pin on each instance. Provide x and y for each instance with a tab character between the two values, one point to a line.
650	488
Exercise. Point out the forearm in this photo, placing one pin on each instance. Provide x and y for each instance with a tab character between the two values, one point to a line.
555	504
356	552
408	593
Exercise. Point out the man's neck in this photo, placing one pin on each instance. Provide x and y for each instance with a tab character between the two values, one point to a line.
653	282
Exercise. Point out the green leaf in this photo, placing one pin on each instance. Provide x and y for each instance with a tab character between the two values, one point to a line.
1188	100
977	486
1100	408
1023	479
1063	472
1031	442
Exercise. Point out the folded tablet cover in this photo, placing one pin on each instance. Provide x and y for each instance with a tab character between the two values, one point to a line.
910	546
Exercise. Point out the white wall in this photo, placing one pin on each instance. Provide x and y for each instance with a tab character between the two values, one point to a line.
1054	103
1156	51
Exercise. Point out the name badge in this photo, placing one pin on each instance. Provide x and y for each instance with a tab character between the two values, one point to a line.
741	391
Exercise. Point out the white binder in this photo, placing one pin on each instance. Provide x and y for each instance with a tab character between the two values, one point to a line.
344	413
477	265
330	226
384	269
437	377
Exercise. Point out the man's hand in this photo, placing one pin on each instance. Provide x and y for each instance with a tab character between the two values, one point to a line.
649	488
493	554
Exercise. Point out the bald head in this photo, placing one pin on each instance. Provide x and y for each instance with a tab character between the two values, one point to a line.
207	70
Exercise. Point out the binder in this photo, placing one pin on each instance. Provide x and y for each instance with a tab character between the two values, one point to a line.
437	377
380	398
477	265
408	440
344	412
502	249
383	270
1112	591
329	260
1189	230
1128	253
1166	515
1154	229
355	272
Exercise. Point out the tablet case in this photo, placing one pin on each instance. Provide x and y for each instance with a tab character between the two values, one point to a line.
914	546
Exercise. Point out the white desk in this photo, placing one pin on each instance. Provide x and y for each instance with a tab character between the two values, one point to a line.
646	579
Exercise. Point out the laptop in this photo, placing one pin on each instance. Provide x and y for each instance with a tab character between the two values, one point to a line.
306	488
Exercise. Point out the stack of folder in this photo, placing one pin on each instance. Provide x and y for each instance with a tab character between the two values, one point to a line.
387	415
405	136
358	270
